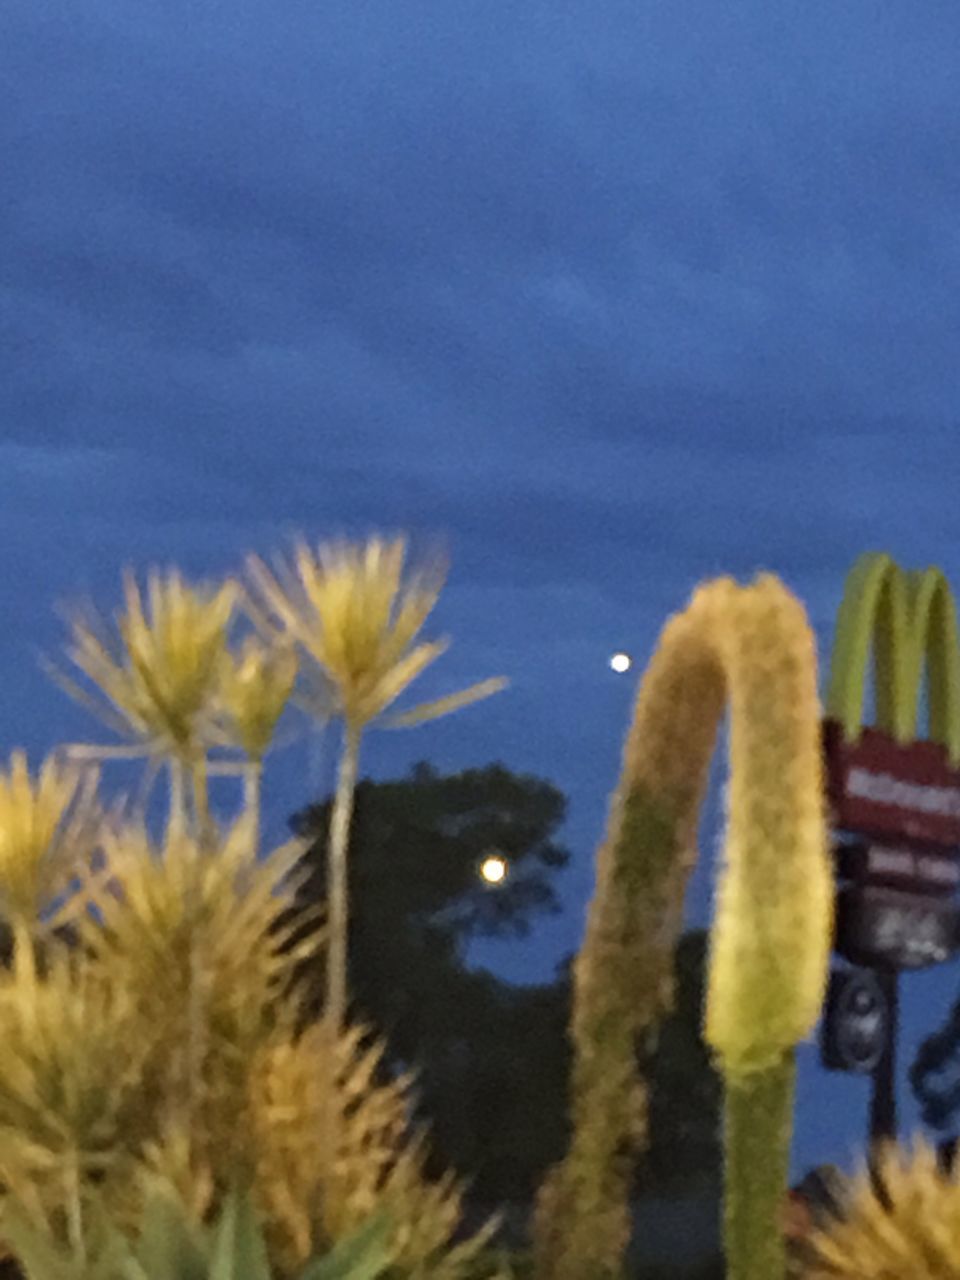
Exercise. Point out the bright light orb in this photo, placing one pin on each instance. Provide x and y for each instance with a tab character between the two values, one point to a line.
621	662
494	869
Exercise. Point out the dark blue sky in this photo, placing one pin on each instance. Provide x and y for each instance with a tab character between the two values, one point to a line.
612	296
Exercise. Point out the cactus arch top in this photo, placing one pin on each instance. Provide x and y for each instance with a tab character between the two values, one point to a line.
750	647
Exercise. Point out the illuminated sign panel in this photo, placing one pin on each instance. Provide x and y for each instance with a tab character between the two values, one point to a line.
884	788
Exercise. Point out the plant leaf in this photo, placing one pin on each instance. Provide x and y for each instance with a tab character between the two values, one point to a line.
239	1249
39	1256
444	706
366	704
170	1248
362	1256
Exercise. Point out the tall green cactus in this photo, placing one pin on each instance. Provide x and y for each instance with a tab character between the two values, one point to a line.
752	648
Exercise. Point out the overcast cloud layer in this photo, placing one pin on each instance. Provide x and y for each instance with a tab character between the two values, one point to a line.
612	297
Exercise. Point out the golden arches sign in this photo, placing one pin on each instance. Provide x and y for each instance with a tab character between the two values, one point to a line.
905	617
885	779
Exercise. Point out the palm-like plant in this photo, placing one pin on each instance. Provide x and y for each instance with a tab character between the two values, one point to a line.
155	683
352	611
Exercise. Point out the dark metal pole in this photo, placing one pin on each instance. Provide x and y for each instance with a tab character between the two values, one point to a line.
883	1103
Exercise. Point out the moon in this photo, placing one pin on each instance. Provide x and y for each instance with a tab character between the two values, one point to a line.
494	869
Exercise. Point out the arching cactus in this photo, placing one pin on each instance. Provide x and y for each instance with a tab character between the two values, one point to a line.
750	648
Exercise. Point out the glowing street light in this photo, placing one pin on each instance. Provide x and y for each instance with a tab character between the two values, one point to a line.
621	662
493	869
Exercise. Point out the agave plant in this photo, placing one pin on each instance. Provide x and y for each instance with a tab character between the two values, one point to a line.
172	1244
352	611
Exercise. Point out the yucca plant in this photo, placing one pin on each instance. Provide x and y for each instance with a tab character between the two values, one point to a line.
353	612
133	1048
900	1220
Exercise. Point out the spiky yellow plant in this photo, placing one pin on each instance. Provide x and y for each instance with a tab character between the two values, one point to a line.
73	1048
165	1044
47	822
177	975
155	681
255	686
151	1042
353	612
313	1193
901	1222
770	943
196	931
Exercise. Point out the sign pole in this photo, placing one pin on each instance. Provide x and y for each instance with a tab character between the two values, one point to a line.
883	1102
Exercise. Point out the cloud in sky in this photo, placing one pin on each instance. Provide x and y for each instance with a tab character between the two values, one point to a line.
613	297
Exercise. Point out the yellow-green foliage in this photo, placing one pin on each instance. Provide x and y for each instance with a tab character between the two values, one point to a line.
752	648
357	615
771	938
254	688
312	1197
46	824
164	1041
156	680
915	1235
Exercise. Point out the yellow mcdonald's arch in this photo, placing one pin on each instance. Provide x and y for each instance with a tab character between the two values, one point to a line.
904	618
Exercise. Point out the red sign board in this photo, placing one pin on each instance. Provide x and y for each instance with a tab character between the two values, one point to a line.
905	792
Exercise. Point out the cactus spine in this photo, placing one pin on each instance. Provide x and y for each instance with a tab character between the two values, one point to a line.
752	648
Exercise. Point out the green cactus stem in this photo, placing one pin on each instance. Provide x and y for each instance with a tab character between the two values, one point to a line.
758	1120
